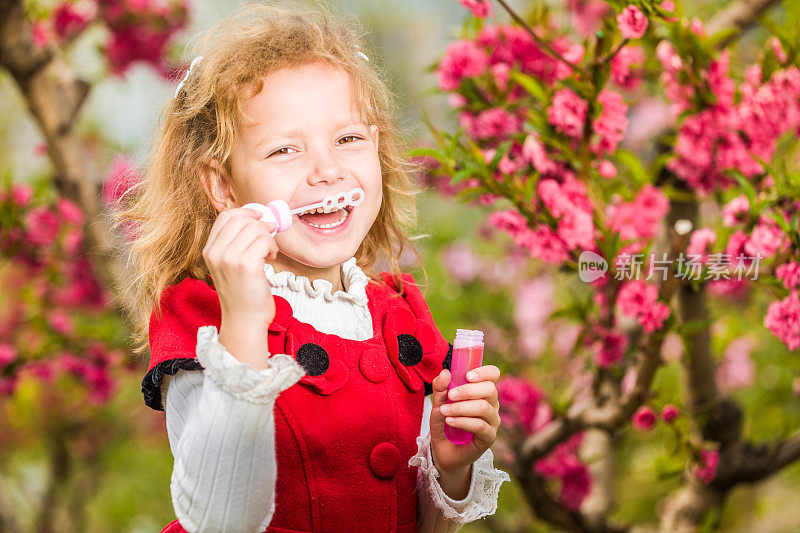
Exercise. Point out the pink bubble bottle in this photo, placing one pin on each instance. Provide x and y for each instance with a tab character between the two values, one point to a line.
467	354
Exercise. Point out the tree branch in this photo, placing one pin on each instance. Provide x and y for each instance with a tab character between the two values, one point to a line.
55	96
739	16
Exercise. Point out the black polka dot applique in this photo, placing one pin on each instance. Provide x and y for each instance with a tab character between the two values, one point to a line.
319	354
410	349
414	346
313	358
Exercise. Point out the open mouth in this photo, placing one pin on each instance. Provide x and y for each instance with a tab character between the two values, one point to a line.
325	219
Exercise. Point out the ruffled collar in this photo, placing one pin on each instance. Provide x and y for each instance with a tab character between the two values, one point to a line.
353	278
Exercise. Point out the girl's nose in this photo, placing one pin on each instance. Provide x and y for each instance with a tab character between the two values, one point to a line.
326	168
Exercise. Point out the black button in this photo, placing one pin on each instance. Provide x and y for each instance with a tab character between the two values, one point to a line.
410	349
313	358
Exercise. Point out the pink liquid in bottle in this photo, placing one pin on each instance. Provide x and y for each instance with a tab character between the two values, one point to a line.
467	354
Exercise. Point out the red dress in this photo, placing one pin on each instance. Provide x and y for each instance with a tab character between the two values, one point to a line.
345	432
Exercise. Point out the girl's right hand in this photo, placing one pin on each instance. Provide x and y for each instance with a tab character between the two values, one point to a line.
234	254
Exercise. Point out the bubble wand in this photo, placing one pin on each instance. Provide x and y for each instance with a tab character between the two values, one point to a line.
278	211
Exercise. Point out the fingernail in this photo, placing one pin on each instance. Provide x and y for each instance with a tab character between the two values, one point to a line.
470	375
453	394
449	420
444	409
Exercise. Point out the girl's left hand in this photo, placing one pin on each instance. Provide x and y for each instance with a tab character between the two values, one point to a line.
478	413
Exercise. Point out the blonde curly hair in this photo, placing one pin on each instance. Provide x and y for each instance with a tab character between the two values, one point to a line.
169	213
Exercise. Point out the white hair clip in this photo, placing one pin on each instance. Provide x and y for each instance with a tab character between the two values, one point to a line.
362	54
195	61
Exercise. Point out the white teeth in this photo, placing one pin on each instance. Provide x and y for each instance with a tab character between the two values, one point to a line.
342	217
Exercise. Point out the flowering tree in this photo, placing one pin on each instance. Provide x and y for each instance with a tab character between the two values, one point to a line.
699	206
63	348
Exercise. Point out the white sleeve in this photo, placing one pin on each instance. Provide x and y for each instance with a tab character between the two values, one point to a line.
437	512
221	432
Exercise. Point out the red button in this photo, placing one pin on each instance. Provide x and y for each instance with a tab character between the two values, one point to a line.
374	365
384	460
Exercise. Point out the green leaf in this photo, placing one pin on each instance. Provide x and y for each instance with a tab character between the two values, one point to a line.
426	152
531	85
631	161
745	184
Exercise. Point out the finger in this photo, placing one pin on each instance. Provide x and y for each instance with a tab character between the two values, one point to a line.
440	385
482	430
262	247
227	228
224	217
472	391
484	373
472	408
243	239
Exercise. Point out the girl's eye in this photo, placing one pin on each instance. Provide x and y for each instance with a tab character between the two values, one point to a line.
356	137
281	151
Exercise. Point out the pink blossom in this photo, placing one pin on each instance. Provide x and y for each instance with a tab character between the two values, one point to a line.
789	274
638	299
510	221
60	322
701	241
735	211
576	483
607	169
669	413
706	470
479	8
456	100
644	419
564	465
8	385
668	5
522	404
69	211
636	296
7	355
777	49
501	73
610	125
69	21
462	59
73	240
611	349
587	15
41	33
576	229
42	226
495	122
632	22
766	238
42	370
543	244
783	320
534	152
621	65
462	263
736	370
21	194
122	177
567	113
653	318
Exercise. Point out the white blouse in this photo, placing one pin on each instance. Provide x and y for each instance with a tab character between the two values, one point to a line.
222	432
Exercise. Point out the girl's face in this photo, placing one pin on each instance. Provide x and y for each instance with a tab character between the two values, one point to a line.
306	140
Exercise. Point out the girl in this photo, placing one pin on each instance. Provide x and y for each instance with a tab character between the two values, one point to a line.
295	388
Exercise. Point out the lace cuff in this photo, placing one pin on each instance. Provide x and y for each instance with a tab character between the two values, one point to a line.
241	380
484	488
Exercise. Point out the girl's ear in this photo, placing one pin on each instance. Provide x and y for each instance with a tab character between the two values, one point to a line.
217	184
375	133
